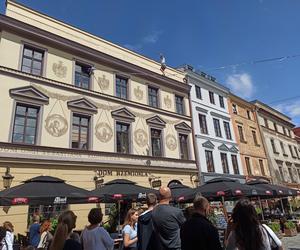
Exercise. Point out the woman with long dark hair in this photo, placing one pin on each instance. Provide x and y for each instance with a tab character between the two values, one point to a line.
248	233
130	230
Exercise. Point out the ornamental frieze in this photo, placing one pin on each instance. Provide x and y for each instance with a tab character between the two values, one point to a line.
59	69
56	125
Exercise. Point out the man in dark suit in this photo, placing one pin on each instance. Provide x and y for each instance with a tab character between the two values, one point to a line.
198	232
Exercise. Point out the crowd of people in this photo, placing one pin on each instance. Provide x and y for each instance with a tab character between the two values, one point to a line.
161	227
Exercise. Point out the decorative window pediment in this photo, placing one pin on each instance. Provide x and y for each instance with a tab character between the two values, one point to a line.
234	149
183	127
30	94
208	144
223	147
123	114
156	121
83	105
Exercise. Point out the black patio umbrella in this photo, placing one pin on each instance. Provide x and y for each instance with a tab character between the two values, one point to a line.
180	192
44	190
121	189
274	190
227	188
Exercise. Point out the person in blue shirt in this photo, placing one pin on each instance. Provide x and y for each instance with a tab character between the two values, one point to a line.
34	231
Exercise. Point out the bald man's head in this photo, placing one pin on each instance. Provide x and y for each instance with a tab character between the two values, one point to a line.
165	193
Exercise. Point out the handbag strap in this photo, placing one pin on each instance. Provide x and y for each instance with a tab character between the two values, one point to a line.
269	235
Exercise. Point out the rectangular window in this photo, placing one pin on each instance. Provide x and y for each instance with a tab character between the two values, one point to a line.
224	163
298	170
273	146
254	137
284	130
121	87
209	161
179	104
234	109
156	142
123	142
25	124
32	60
289	133
248	166
291	151
262	168
153	97
296	151
203	124
227	130
275	126
198	92
266	123
217	127
82	75
281	173
184	149
248	114
282	148
211	97
221	99
235	164
241	134
80	131
291	174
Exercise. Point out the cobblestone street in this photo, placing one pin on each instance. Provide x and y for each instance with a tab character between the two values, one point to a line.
291	243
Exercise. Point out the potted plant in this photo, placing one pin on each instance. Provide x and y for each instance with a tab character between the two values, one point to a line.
290	228
275	226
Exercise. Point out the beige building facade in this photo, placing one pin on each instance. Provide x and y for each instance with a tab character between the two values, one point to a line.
281	146
77	107
247	132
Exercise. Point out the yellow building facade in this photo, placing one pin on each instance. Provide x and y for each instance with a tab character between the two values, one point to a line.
247	132
80	108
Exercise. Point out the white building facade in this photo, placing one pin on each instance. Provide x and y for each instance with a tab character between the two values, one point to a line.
215	143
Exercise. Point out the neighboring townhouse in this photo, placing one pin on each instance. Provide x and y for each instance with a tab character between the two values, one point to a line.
216	147
247	132
280	144
83	109
297	137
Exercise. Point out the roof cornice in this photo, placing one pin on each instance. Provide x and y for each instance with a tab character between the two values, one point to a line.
12	25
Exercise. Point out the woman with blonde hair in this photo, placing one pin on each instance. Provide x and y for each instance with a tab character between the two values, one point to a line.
61	239
46	236
130	230
8	241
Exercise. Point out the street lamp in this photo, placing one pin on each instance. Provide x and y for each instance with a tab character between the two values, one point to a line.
7	178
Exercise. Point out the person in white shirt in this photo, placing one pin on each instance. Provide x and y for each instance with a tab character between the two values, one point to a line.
248	233
46	236
95	237
8	241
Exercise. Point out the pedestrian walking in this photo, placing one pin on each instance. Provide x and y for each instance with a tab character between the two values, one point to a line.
146	236
61	239
167	221
130	230
95	237
248	233
198	232
2	236
46	236
34	231
8	240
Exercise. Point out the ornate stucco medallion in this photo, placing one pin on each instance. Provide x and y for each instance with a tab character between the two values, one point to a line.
138	93
103	82
171	142
168	102
56	125
59	69
103	132
140	137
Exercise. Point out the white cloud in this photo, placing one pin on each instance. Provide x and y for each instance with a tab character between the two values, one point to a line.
290	108
241	85
151	38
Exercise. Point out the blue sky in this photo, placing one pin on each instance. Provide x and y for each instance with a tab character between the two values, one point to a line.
207	34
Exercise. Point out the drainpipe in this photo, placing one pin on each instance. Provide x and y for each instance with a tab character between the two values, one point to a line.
196	151
272	173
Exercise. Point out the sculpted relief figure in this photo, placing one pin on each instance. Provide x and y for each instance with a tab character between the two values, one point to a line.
56	125
103	82
140	137
103	132
59	69
168	102
138	93
171	142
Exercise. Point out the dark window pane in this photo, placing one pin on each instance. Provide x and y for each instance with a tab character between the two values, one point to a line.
183	140
21	110
80	132
37	65
18	138
36	72
26	69
27	62
179	104
29	139
38	55
20	121
32	61
27	52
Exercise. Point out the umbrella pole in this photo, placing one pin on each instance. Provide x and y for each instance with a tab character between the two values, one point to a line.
261	207
282	206
119	217
224	208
